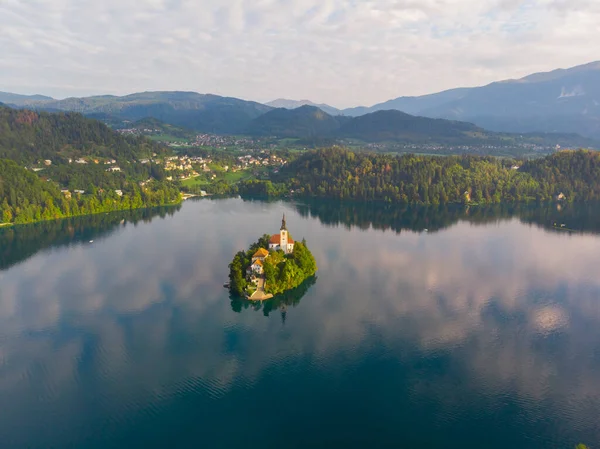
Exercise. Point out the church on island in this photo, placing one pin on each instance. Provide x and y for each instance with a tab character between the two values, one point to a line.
281	241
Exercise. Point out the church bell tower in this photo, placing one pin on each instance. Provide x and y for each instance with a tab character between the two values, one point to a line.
283	236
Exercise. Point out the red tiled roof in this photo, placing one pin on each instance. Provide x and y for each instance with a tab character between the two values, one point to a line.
276	239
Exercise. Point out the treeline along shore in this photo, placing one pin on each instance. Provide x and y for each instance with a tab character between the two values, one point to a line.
415	179
55	165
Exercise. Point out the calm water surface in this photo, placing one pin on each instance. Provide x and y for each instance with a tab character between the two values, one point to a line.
429	328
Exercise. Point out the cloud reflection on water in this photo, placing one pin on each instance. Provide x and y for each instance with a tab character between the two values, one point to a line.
493	296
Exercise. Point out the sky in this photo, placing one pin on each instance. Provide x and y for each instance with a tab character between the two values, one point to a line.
341	52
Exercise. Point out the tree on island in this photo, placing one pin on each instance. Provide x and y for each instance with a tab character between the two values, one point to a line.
282	272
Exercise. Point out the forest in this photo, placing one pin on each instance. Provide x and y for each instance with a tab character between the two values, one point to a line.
59	187
26	198
28	137
416	179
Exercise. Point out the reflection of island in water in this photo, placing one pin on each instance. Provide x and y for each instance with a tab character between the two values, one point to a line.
280	302
567	217
18	243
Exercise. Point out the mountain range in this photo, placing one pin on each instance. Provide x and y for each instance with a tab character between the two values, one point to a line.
294	104
200	112
393	127
563	100
560	101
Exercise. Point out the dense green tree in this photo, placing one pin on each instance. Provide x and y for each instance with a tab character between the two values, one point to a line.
27	198
237	275
339	173
31	137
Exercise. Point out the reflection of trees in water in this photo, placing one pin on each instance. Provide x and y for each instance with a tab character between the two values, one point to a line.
575	217
18	243
281	302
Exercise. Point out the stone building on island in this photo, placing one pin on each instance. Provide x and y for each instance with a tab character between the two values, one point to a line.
282	241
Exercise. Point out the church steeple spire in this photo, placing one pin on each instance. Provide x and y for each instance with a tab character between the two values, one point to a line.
283	226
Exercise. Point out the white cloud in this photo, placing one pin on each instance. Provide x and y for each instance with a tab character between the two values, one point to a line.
342	52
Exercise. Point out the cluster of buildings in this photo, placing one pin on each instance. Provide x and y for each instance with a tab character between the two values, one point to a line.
281	241
262	158
67	192
214	141
138	131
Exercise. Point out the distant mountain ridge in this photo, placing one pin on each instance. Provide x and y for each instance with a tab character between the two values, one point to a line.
302	122
200	112
559	101
391	126
294	104
562	100
22	100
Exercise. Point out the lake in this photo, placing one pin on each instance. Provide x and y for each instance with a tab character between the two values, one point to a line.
425	327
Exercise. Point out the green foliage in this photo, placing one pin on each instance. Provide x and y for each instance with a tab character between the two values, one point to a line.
25	198
282	272
259	188
31	137
237	273
285	273
241	262
339	173
581	446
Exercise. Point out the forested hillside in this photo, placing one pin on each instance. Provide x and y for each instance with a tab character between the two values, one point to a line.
200	112
25	198
29	136
339	173
53	143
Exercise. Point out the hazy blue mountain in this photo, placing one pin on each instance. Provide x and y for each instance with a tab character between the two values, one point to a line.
312	124
200	112
294	104
21	100
563	100
380	126
410	105
302	122
394	125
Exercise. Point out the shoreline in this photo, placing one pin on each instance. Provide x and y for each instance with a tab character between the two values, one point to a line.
8	225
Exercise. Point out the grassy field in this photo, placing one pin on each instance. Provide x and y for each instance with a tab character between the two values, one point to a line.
232	178
196	181
166	138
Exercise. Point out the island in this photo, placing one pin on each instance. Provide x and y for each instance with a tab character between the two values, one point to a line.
273	265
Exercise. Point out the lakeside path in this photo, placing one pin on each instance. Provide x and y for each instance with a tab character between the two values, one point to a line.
259	294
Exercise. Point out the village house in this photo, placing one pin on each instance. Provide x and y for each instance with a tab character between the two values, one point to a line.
261	255
256	267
